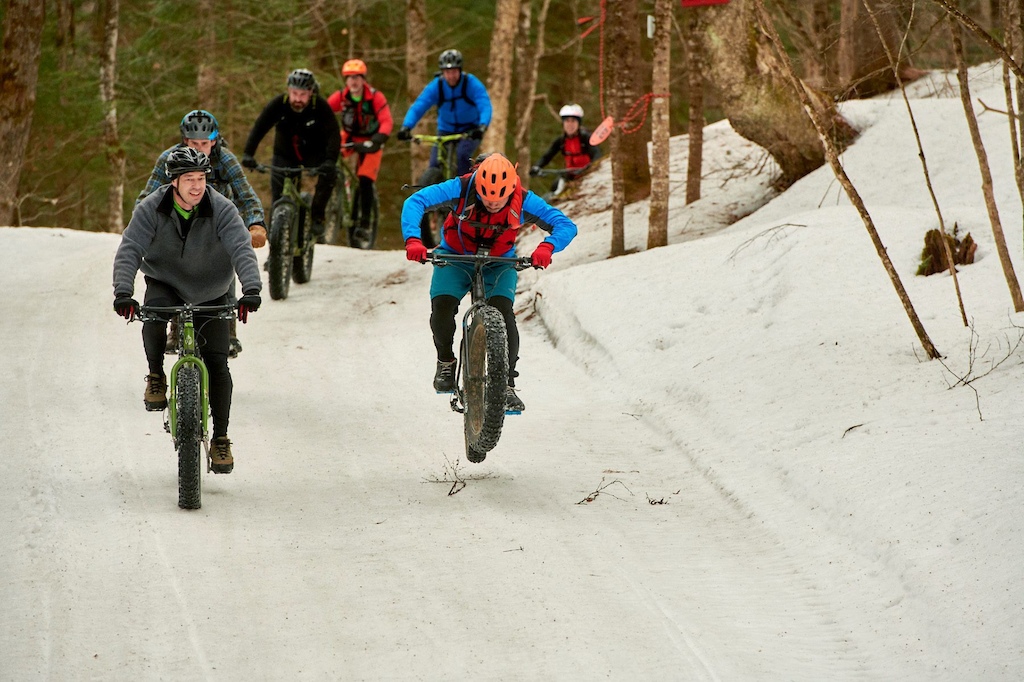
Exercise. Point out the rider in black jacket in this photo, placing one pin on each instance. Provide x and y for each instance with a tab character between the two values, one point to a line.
306	134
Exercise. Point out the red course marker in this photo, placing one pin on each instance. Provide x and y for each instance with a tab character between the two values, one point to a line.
602	132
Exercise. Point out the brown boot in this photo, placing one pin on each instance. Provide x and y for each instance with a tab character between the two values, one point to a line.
221	461
155	397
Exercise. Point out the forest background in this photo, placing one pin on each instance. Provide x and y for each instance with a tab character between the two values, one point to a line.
231	57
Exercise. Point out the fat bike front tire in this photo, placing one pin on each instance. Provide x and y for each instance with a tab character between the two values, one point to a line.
337	212
302	268
484	381
371	238
279	263
189	437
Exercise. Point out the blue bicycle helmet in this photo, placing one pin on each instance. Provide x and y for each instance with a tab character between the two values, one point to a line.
199	124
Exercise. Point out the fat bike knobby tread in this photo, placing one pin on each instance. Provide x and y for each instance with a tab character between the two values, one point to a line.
485	379
279	264
302	267
337	209
374	220
189	437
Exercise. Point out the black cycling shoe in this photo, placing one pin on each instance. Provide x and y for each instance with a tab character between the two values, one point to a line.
444	377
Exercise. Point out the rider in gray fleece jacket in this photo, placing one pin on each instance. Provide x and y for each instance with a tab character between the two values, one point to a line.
189	241
200	266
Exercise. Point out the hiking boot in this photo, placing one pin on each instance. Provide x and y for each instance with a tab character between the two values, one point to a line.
155	397
221	461
444	377
172	338
512	402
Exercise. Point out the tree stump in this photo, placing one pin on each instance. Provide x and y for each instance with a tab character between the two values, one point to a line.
933	256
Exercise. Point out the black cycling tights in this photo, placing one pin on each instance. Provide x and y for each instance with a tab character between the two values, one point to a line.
212	338
442	324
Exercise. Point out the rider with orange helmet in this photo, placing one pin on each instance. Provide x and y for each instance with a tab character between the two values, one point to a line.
486	207
366	125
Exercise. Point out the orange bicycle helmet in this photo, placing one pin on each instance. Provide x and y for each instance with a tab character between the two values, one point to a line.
496	178
354	67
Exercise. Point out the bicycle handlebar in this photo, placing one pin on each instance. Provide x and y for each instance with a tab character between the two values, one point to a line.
441	259
439	139
155	313
563	171
262	168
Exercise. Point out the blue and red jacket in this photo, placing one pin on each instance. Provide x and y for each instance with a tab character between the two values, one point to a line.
460	235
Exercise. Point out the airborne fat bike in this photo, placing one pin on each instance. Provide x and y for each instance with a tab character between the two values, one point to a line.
483	357
188	401
445	148
345	211
291	233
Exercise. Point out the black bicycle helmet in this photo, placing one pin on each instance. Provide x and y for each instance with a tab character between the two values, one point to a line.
183	160
301	79
450	59
199	124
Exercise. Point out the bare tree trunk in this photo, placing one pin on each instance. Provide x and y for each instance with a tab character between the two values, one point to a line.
416	71
322	55
696	66
207	88
19	70
499	72
1012	30
749	82
618	245
821	125
108	96
986	173
950	263
528	59
868	29
657	227
65	32
622	68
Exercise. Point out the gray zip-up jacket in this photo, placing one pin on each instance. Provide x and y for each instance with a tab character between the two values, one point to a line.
200	266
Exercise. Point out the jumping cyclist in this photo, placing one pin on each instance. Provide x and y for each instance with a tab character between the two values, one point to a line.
490	194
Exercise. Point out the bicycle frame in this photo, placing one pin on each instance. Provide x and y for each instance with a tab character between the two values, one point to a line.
441	142
188	353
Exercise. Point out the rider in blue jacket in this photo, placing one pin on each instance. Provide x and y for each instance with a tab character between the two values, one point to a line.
463	106
489	196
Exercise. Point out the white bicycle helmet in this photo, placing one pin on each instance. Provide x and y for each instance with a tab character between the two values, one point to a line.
571	111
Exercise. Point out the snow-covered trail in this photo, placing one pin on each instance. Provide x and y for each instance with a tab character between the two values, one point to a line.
334	550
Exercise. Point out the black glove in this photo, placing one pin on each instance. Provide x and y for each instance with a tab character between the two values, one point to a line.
535	171
249	303
249	161
327	168
478	132
127	307
373	144
404	134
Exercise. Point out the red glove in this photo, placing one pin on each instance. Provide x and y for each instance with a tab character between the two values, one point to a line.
541	257
414	250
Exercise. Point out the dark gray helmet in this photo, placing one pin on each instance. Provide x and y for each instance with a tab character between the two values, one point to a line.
184	159
301	79
199	124
450	59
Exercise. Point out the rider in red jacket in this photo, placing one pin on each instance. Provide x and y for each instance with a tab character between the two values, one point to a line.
573	144
366	125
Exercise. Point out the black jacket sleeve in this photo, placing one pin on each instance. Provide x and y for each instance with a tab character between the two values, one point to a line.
553	150
267	119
